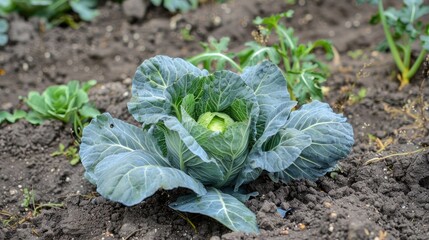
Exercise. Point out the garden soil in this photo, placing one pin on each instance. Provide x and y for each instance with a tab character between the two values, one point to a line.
387	199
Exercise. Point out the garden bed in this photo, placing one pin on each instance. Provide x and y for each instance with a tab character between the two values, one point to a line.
388	199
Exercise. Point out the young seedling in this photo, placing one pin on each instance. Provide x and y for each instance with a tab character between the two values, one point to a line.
71	153
402	28
210	133
304	71
29	202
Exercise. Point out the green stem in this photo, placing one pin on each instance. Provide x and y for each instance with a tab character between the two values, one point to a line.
213	56
407	56
389	38
416	64
283	47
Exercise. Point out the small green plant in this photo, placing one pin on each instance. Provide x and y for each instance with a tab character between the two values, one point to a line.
186	34
301	66
29	203
71	153
67	103
4	27
53	11
356	54
402	28
11	118
28	198
355	98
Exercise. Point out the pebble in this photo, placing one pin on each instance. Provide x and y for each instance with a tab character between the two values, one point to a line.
331	228
13	191
127	229
327	204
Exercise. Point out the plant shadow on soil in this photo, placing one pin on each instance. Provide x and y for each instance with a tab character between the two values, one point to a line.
388	199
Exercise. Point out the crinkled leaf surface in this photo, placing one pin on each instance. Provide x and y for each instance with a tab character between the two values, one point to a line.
130	177
270	89
106	136
331	140
151	80
223	207
184	92
285	151
220	91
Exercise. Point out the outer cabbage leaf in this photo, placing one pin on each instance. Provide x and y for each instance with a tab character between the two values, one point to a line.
332	139
287	147
241	194
130	177
106	136
270	89
255	160
223	207
151	80
247	174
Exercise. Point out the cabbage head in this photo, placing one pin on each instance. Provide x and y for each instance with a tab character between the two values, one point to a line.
210	133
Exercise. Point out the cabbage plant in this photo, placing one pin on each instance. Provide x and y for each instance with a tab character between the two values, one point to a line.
210	133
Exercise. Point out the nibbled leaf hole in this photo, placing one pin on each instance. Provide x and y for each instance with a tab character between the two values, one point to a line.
112	125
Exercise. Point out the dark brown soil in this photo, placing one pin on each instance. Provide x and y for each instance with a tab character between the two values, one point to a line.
388	199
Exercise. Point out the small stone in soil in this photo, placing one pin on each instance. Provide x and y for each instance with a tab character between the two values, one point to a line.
127	229
327	204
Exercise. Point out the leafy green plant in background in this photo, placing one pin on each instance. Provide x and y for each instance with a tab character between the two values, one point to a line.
402	29
305	73
176	5
54	11
210	133
4	27
67	103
